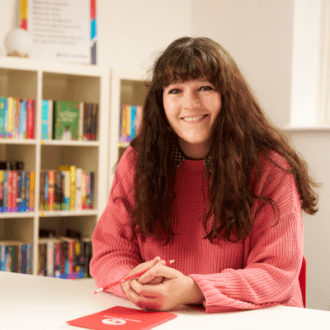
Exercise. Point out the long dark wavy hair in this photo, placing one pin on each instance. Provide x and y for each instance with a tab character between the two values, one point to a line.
241	133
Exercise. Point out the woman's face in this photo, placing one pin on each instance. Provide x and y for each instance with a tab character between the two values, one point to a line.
191	108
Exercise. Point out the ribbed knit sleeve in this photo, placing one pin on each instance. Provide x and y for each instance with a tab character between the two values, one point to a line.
115	250
273	253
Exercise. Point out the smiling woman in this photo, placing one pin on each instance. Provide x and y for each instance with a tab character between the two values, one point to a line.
210	183
191	108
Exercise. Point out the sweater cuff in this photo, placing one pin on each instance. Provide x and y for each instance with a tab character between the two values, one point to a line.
107	278
212	292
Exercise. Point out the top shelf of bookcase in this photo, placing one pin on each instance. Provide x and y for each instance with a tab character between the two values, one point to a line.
26	64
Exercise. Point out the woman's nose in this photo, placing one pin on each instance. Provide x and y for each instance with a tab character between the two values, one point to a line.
190	100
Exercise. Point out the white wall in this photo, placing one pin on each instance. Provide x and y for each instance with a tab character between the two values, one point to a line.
132	32
315	146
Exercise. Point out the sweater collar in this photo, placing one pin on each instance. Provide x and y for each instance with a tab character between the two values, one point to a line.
179	157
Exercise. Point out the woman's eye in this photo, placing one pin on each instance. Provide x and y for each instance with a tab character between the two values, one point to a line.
206	88
174	91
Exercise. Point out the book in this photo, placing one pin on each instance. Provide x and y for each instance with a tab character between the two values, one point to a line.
58	191
44	120
88	109
30	119
51	190
17	108
72	188
95	114
126	318
50	119
78	188
32	193
3	105
10	118
66	120
81	120
23	121
2	177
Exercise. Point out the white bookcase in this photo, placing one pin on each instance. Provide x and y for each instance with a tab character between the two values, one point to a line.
26	78
127	87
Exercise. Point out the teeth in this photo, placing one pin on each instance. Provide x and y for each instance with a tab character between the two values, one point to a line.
193	118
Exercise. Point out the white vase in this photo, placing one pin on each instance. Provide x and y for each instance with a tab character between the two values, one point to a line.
18	42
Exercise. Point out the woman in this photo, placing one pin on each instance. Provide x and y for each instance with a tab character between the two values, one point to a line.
209	183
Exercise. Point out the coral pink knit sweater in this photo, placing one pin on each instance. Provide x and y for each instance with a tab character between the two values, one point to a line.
260	271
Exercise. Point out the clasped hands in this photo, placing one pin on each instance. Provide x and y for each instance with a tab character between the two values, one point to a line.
161	288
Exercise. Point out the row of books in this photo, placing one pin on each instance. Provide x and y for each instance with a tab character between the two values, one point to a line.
17	191
130	119
67	188
17	118
69	120
16	256
64	257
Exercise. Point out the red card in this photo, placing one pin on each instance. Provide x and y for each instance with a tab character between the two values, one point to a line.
127	318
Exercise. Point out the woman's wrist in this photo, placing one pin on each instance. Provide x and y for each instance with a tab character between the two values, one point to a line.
194	293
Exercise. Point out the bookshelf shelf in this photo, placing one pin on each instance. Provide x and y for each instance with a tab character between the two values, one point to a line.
17	141
50	214
21	215
70	143
39	80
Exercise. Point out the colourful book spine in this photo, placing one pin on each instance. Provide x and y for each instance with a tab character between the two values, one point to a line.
133	121
58	188
46	192
51	190
17	117
81	120
44	120
10	191
10	119
95	115
78	188
121	140
42	192
83	190
57	262
139	110
91	190
67	190
29	256
50	258
125	125
5	191
72	188
32	191
30	118
87	190
88	107
22	192
23	122
15	191
2	257
13	134
3	103
27	190
2	176
50	119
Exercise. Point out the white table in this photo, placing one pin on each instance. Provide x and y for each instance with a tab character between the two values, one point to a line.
34	302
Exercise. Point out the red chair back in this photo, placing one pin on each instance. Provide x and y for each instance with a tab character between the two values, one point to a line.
302	280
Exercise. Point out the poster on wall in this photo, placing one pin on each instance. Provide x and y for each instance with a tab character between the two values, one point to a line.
61	30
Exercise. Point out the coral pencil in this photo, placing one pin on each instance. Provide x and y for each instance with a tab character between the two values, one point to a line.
136	275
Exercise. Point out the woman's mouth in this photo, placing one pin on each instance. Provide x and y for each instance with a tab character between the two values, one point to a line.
193	119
